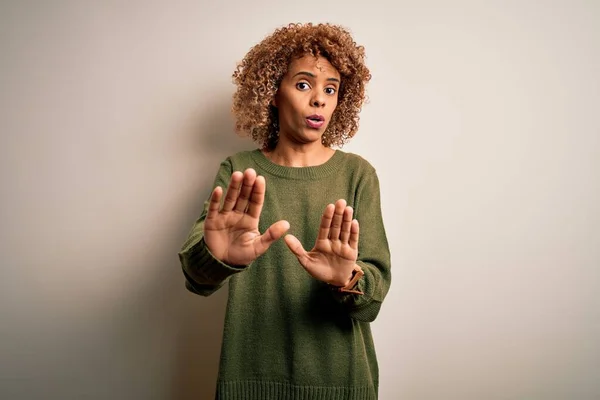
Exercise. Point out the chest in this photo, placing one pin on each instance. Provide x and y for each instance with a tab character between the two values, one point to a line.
302	204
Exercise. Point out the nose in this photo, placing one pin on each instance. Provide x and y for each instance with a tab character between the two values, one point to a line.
318	99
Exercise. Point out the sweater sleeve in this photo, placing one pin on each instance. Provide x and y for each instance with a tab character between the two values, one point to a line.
373	254
204	274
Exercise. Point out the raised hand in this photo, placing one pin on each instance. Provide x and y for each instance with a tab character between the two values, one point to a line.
231	233
334	255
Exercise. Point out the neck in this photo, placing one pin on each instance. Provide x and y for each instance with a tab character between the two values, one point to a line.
289	155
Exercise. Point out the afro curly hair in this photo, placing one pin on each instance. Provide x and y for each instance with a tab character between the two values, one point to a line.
261	71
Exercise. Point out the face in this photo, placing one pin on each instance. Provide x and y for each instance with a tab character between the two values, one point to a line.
306	99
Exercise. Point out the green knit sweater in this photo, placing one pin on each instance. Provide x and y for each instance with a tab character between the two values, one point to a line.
288	336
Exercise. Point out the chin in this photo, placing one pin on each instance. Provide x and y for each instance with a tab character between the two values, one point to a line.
307	135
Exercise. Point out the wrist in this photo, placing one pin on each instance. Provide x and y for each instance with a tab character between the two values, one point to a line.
351	284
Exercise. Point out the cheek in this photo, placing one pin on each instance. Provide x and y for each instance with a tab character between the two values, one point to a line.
334	105
291	104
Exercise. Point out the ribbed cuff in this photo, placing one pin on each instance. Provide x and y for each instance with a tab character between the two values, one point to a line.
203	267
363	307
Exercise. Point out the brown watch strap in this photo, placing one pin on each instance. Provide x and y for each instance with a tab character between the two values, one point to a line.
357	273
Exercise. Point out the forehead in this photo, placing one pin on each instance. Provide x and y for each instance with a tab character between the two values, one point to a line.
316	65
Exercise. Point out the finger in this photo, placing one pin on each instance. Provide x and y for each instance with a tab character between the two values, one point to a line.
246	190
326	222
233	191
336	222
346	223
257	197
215	202
296	247
353	242
275	231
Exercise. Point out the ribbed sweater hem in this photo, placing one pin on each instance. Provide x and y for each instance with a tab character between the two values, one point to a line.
266	390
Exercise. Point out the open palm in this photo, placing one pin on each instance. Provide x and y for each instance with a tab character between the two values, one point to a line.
231	233
334	255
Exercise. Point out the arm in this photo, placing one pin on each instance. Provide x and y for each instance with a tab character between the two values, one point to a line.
373	254
339	249
225	239
204	274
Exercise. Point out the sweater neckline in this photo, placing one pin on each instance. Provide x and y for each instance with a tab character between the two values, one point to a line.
301	173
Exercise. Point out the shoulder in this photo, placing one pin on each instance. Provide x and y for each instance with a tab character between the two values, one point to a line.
357	164
242	159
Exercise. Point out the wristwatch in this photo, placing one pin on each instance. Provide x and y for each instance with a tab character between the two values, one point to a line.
357	273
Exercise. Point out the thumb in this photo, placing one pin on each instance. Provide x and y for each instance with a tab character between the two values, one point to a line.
296	247
275	231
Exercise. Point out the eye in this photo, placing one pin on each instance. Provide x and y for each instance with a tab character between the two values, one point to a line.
330	90
302	86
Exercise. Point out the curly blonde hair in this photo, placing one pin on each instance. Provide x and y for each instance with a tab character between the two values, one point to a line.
260	73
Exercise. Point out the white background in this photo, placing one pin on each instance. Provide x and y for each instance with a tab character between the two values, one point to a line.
482	123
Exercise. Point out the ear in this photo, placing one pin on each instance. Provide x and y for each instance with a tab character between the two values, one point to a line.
275	99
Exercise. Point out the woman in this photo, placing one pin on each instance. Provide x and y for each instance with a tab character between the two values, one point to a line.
297	322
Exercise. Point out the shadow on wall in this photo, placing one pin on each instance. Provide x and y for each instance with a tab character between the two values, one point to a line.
165	341
201	318
143	336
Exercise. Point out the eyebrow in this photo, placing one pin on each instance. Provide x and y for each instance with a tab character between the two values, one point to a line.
314	76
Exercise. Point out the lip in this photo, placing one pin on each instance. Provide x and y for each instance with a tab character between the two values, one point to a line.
317	117
315	121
